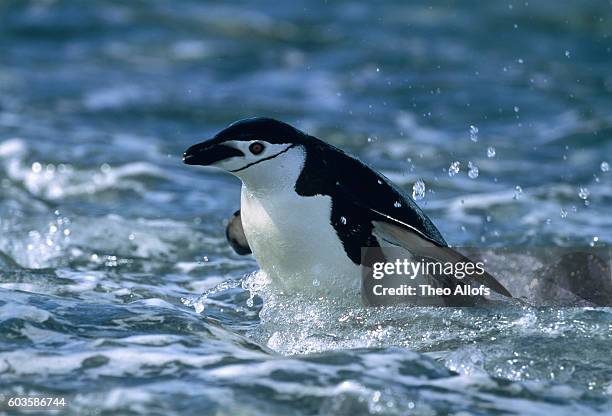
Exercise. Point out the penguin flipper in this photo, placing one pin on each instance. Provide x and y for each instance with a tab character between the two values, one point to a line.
235	235
417	244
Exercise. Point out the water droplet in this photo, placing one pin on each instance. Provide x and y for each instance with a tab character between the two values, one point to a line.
418	190
474	133
516	109
517	192
473	170
520	61
316	283
583	192
397	204
376	396
343	220
595	239
491	152
131	236
489	218
67	232
605	167
563	213
379	182
454	168
567	54
36	167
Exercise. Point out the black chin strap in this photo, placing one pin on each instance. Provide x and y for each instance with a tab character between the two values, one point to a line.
264	159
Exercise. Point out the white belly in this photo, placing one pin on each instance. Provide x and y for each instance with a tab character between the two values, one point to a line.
295	244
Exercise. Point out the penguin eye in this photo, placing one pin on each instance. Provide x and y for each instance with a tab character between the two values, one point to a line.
256	148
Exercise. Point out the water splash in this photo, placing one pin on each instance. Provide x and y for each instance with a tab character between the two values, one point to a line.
472	170
454	168
474	133
418	190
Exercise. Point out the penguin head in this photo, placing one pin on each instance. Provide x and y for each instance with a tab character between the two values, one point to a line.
260	151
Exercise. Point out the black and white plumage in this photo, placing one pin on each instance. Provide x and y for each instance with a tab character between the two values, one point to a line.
234	233
308	208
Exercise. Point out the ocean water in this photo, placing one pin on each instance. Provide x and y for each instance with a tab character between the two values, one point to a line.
118	290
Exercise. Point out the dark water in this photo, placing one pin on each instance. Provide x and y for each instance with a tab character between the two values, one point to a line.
107	240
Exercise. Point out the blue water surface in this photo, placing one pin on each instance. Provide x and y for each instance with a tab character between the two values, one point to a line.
107	240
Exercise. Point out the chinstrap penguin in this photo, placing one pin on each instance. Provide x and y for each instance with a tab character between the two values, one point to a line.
307	210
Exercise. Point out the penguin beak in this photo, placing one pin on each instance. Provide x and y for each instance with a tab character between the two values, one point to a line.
208	153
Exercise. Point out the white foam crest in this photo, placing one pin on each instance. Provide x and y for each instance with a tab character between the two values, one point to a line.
152	339
23	312
111	241
12	148
133	398
140	399
378	368
133	360
136	238
42	336
55	182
